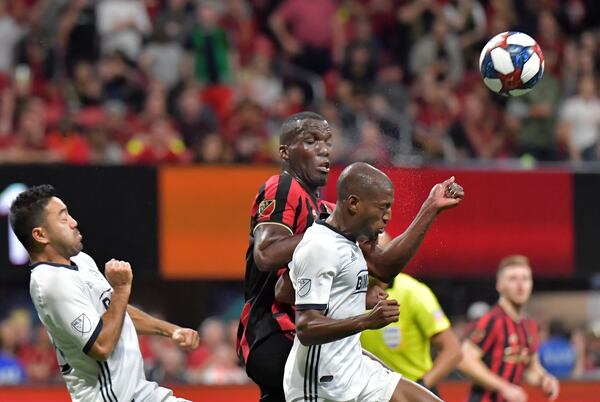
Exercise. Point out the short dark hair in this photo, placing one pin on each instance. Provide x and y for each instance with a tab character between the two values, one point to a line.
293	126
27	212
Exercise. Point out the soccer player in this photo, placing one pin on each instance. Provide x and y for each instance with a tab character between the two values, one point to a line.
284	207
87	315
330	277
502	348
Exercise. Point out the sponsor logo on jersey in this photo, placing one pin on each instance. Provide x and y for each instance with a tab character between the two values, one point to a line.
362	281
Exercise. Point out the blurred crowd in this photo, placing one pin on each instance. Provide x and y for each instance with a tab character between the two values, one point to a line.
208	81
27	355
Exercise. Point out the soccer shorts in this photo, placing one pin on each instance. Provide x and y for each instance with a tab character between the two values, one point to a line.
379	388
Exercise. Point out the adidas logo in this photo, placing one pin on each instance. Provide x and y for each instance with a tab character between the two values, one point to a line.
353	256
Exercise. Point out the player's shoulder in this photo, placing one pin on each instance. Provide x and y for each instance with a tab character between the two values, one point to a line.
48	279
84	260
318	240
285	183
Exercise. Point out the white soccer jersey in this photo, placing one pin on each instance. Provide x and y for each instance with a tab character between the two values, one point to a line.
329	273
70	300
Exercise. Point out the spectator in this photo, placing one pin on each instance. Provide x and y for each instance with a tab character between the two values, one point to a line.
310	38
174	22
11	33
371	148
211	47
11	371
532	116
440	52
194	119
579	119
557	355
123	24
78	38
39	358
479	133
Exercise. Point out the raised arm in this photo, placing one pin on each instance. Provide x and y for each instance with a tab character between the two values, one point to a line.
388	261
119	275
145	324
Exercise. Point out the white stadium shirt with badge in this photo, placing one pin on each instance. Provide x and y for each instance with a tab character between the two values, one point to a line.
329	273
70	301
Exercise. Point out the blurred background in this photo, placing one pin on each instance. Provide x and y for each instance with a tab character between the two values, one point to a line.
157	121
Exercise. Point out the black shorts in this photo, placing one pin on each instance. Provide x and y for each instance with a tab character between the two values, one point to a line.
266	363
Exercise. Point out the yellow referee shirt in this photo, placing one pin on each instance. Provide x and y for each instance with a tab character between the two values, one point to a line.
405	345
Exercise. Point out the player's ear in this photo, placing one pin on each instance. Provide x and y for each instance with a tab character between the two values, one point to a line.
284	152
353	201
39	235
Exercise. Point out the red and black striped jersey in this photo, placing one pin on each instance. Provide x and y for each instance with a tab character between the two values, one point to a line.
507	347
280	201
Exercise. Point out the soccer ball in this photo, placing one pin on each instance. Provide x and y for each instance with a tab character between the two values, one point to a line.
511	63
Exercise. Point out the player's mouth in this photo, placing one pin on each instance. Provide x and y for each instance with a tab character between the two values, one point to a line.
323	167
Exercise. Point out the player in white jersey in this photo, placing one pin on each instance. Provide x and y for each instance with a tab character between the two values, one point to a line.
87	315
330	277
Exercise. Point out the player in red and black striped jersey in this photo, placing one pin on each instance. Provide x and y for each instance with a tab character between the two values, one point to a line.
285	206
501	350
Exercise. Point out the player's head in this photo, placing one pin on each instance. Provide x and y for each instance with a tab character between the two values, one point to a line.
41	221
365	195
305	147
514	281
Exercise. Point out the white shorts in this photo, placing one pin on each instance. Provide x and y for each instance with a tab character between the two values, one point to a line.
380	387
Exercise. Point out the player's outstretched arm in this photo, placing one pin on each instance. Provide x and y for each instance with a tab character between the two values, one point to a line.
274	246
385	262
472	366
119	275
145	324
537	376
314	328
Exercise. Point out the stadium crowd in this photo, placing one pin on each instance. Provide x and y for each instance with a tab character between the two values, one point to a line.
206	81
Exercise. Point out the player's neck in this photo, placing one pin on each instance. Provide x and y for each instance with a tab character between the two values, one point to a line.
336	219
313	190
50	255
514	311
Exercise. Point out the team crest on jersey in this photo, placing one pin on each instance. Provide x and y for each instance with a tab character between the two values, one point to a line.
303	286
82	324
266	208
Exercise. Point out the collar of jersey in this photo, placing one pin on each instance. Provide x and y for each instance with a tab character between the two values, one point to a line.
73	266
336	230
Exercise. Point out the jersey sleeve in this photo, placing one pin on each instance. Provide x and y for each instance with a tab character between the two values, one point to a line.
483	334
312	271
427	311
279	203
64	306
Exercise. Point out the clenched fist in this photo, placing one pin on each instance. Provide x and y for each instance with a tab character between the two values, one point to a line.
385	312
119	274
